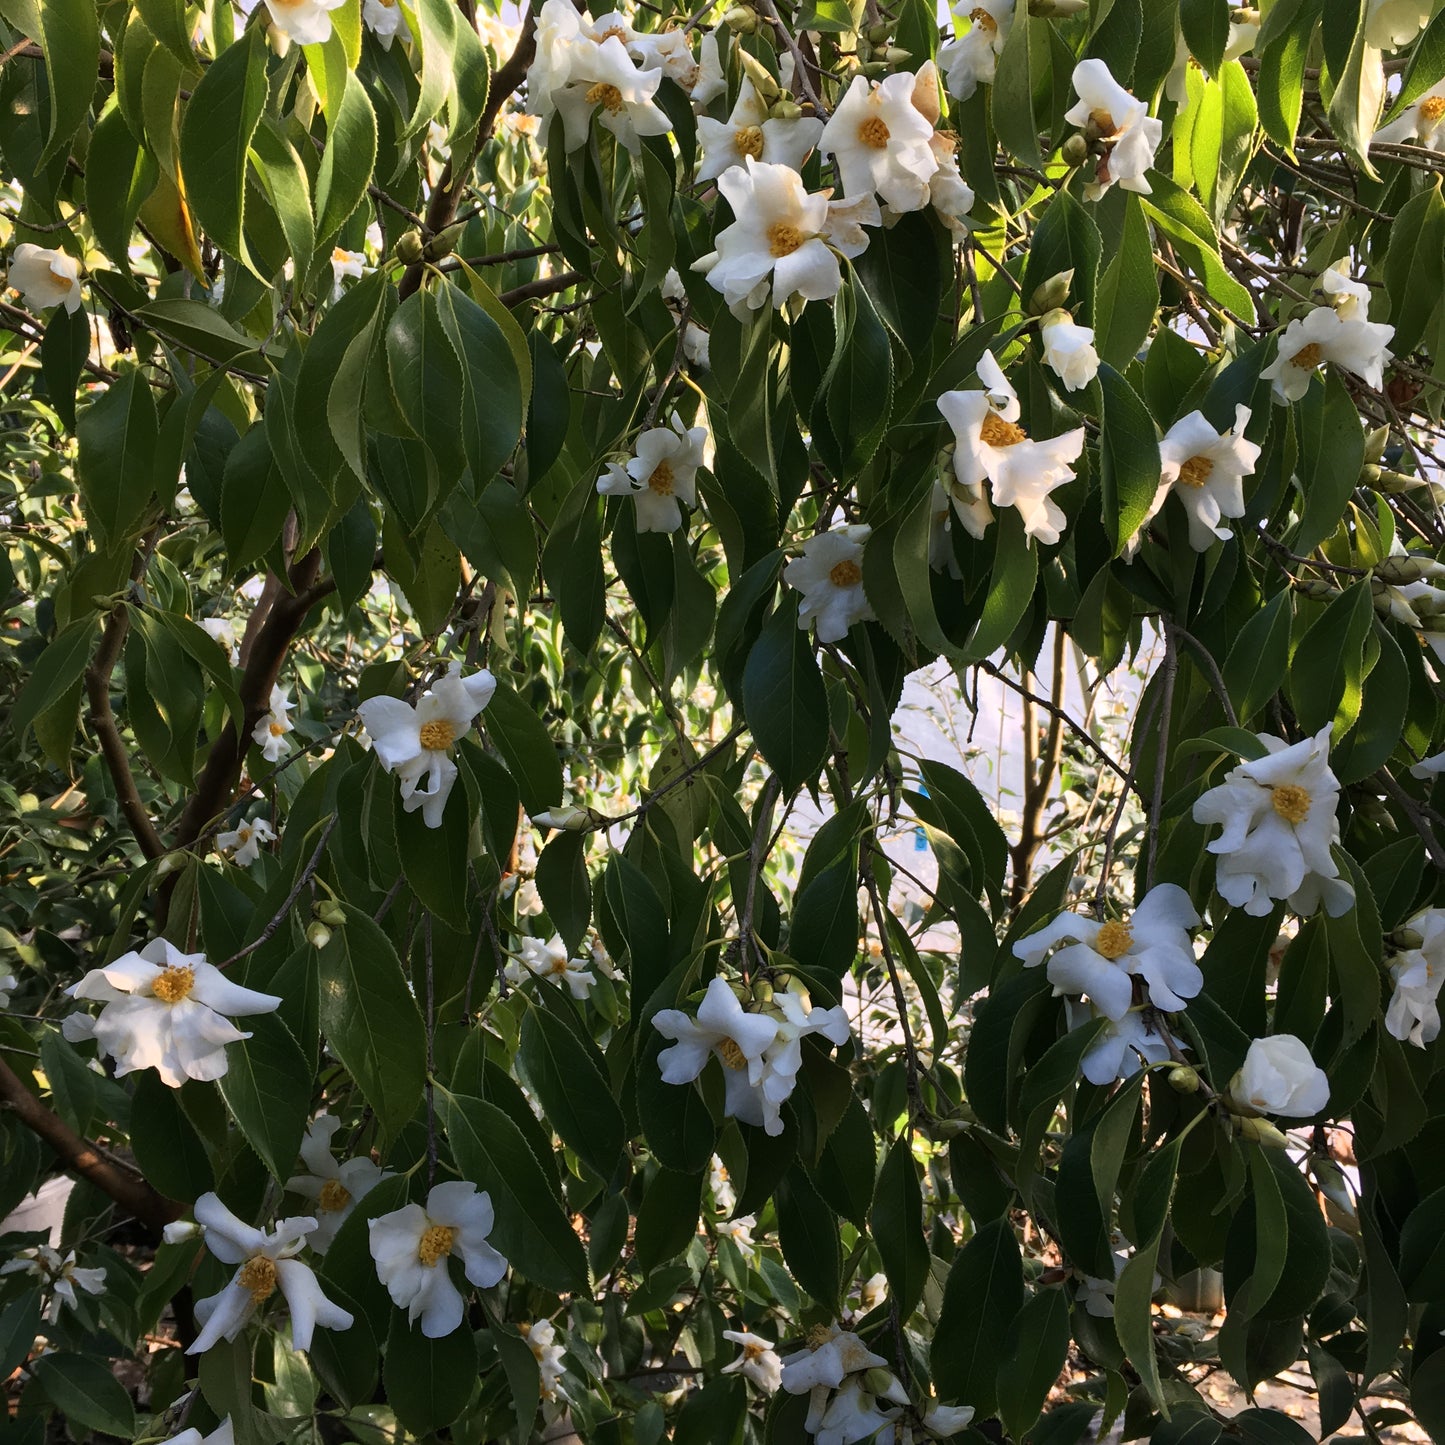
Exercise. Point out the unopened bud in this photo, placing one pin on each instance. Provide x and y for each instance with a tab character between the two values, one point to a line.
762	991
1074	151
892	55
1261	1131
1056	9
741	19
878	1381
1392	483
443	243
1369	475
784	110
330	912
1183	1079
1397	570
1372	810
318	935
571	820
947	1128
170	863
1407	938
1050	295
762	78
874	67
178	1231
878	34
410	248
1375	443
1314	588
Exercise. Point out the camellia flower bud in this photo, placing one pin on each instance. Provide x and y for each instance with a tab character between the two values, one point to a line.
171	862
566	820
1397	570
741	19
1183	1079
1375	443
330	912
1312	587
1056	9
1261	1131
762	78
1050	295
1407	938
763	991
1370	476
878	1381
892	55
785	110
878	34
318	935
443	243
410	248
1074	151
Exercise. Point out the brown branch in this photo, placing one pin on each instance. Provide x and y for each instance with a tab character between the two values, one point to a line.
545	286
1037	787
80	1157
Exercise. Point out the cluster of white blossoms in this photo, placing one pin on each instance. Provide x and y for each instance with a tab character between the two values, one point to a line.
270	732
606	68
415	743
1102	960
1279	1076
853	1395
541	1338
267	1263
335	1188
59	1274
1119	125
829	574
751	131
45	278
660	476
1418	970
760	1052
970	59
165	1010
1278	818
990	446
243	842
552	960
411	1247
1340	332
1205	469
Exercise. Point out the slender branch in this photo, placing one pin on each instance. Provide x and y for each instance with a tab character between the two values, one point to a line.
543	286
1418	821
910	1049
1166	709
289	902
80	1157
1216	678
757	856
1037	786
804	69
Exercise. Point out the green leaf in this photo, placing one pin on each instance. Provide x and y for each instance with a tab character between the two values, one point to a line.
1326	673
1020	95
667	1217
1039	1343
808	1235
56	671
1332	450
220	119
1185	222
527	748
1280	87
435	859
197	327
784	698
1205	24
1128	292
166	1144
531	1229
346	163
116	467
428	1382
856	393
1415	266
288	188
491	410
897	1224
1128	458
1067	239
69	39
1355	103
254	498
981	1300
1255	668
565	888
1133	1317
370	1019
86	1393
426	375
267	1087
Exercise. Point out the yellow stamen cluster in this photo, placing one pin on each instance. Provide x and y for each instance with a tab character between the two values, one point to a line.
1195	472
996	432
730	1053
1114	940
258	1275
605	95
1432	108
174	984
1291	802
435	1244
783	239
874	133
334	1196
661	480
1307	358
749	141
437	735
846	573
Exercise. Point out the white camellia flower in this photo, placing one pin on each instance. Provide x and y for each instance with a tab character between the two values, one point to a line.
412	1244
1121	1048
722	1029
661	475
1413	1015
1389	24
165	1010
1422	121
45	278
1279	1076
829	574
1278	816
1429	767
880	142
1361	347
701	77
559	28
782	241
551	960
949	194
853	1412
1350	298
724	1197
990	445
307	22
1122	123
269	734
223	630
750	131
268	1263
1205	469
541	1339
784	1056
345	263
758	1362
943	1422
970	59
244	841
1103	959
385	21
832	1355
416	742
59	1273
223	1434
1069	349
336	1188
604	82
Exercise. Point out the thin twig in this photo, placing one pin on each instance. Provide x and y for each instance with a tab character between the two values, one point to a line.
307	873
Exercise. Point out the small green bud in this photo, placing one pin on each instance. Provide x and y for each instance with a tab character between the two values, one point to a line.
1050	295
785	110
1375	443
1261	1131
1183	1079
171	862
410	248
1312	587
330	912
1397	571
874	67
878	1381
762	991
1074	151
878	34
1407	938
318	935
443	243
892	55
1369	475
741	19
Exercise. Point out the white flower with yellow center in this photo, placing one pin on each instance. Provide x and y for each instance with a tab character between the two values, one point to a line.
412	1245
604	82
60	1274
1389	24
829	574
721	1030
990	445
307	22
1308	342
880	142
660	476
558	31
669	51
1422	121
223	631
345	263
1278	817
335	1188
758	1362
1069	349
1418	971
971	57
541	1339
415	743
267	1264
385	21
1279	1076
1205	469
270	731
1122	125
1121	1047
1103	959
784	1056
711	80
45	278
782	241
551	960
750	131
243	842
1350	298
165	1010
